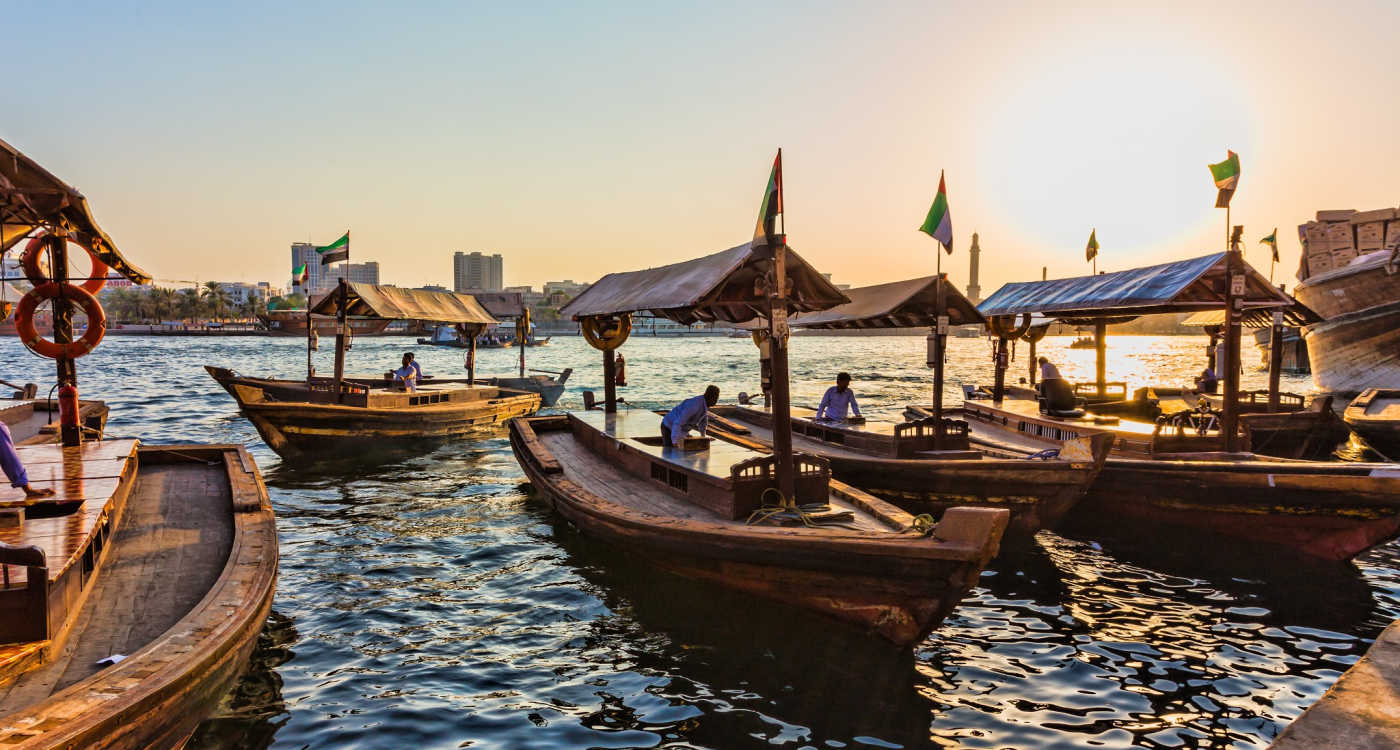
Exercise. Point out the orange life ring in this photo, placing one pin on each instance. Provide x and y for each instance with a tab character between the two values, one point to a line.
35	274
29	335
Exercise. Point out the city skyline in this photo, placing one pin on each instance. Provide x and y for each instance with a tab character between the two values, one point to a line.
550	162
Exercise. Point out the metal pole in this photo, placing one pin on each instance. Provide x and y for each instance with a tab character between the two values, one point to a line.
1101	359
1230	413
940	339
70	435
609	381
343	293
782	406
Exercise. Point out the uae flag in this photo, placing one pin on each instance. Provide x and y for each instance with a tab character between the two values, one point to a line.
300	275
1227	176
772	204
336	251
939	223
1272	242
1091	250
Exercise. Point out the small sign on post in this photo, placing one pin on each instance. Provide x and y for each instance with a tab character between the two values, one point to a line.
1278	317
943	325
1237	284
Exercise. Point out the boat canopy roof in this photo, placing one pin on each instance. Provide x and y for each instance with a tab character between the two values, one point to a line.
399	303
897	304
32	199
1181	286
718	287
1298	315
501	304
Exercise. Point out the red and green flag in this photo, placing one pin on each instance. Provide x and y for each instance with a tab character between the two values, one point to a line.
939	223
336	251
1227	177
300	275
772	203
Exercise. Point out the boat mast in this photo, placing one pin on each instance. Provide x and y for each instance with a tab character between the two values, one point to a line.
940	340
778	349
343	293
1275	356
1234	293
57	240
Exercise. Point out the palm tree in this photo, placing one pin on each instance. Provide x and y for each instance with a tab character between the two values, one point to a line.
216	299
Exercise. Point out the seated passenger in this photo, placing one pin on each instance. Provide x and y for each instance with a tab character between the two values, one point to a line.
838	399
407	376
14	470
1207	382
690	414
409	359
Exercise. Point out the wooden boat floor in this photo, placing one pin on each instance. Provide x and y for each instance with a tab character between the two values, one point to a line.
1031	408
170	550
603	479
801	442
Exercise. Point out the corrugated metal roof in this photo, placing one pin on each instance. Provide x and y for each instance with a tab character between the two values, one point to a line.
31	198
398	303
897	304
721	286
1181	286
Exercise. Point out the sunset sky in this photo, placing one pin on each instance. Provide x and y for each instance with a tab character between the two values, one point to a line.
580	140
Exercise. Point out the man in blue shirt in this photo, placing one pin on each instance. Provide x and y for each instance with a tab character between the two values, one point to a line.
838	399
690	414
14	470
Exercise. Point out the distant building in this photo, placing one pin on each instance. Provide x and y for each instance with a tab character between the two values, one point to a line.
568	287
477	272
528	295
240	292
432	288
974	292
365	273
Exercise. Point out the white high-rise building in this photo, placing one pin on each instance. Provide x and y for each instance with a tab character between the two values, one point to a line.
320	278
366	273
477	272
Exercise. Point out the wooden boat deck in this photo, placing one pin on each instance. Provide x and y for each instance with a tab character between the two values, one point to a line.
33	421
607	480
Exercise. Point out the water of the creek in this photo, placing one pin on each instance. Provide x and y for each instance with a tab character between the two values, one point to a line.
430	601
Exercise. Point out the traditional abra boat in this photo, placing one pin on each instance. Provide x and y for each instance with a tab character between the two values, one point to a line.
1201	475
1375	415
706	513
927	465
131	598
317	415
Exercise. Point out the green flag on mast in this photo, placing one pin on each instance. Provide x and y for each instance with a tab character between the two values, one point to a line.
336	251
772	204
1227	177
1091	250
1272	242
939	223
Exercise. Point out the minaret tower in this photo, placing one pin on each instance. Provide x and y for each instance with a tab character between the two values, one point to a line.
974	292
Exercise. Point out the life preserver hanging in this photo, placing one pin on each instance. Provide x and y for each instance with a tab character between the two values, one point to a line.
1004	326
29	335
607	332
34	250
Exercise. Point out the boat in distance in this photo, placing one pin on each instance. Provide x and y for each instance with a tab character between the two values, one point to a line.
1375	416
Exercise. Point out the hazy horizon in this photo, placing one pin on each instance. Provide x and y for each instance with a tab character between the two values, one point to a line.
579	141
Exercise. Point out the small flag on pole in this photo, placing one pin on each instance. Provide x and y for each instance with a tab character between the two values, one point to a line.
772	204
1227	177
939	223
1272	242
300	275
1091	250
336	251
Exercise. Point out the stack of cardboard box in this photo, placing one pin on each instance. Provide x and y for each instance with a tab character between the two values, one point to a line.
1338	237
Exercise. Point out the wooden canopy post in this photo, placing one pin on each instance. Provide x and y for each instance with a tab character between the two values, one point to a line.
310	332
472	333
69	434
999	386
609	381
940	340
1234	290
1100	359
1275	359
343	293
522	333
778	343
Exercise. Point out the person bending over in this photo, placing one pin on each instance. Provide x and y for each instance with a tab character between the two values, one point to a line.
690	414
838	399
14	470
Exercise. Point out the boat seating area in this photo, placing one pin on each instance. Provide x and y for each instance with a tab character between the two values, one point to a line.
724	478
51	560
36	420
913	439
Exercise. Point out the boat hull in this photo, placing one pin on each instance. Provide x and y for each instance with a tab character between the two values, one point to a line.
1356	351
158	695
899	587
1375	416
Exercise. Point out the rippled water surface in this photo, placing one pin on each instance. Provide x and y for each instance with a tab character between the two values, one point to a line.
428	601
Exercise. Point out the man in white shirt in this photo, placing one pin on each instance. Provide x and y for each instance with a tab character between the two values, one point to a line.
838	399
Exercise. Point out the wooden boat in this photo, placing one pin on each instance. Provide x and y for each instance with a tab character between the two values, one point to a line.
719	511
184	532
1357	345
297	418
293	323
36	420
1375	416
897	462
131	598
686	512
1321	509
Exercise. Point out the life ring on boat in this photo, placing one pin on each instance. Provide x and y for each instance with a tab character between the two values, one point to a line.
34	250
606	332
29	335
1004	326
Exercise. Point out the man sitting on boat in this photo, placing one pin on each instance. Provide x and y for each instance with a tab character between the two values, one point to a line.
14	469
690	414
838	399
1207	381
409	374
1056	395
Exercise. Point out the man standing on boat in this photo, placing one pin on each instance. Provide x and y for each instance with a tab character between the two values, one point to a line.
690	414
838	399
14	470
